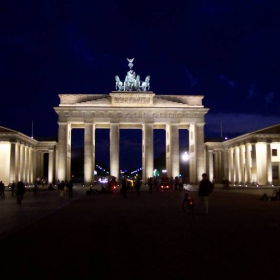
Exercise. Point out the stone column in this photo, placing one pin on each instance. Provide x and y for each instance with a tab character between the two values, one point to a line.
211	164
89	154
42	154
261	161
114	149
147	151
22	162
225	173
269	167
56	164
242	163
231	165
63	168
237	165
27	164
247	163
32	165
220	167
196	148
13	162
216	166
17	162
51	166
38	164
172	150
254	165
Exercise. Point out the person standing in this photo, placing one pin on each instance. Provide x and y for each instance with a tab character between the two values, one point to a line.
2	189
13	188
176	183
20	192
150	184
205	188
138	186
70	189
61	189
124	186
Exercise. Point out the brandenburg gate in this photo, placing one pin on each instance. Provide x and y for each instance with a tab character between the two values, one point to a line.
131	106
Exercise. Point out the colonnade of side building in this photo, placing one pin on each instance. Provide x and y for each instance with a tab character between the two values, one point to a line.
249	161
22	158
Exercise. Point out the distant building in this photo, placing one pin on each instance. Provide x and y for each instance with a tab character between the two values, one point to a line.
22	157
252	158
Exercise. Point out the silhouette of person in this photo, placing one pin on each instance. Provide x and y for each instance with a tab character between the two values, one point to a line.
205	188
70	188
150	184
20	192
2	189
61	189
138	186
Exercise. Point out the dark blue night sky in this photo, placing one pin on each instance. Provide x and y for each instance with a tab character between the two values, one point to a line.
227	51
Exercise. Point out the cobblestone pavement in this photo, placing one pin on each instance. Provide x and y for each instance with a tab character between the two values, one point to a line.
108	237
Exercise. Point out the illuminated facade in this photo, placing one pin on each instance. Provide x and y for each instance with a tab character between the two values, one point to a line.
22	158
252	158
131	110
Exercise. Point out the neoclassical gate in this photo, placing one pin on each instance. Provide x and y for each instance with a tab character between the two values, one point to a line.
134	110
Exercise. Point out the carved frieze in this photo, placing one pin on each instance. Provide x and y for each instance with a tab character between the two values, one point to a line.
139	99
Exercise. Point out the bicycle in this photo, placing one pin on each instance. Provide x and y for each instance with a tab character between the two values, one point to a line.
188	207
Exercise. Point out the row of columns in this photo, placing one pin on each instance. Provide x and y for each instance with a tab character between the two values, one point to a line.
241	164
26	163
22	162
172	151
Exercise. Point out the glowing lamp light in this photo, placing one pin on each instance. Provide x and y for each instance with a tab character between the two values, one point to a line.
185	156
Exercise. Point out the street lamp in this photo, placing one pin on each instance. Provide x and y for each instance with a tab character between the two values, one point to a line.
185	156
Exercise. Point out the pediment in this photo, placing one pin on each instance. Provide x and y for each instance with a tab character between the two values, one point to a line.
142	99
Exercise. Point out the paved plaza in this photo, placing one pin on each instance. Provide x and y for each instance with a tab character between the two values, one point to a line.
108	237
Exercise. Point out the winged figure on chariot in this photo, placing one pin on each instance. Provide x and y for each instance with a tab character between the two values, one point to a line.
132	81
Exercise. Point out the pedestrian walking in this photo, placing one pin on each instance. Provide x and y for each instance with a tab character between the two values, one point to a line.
70	188
176	183
2	189
138	186
20	192
150	184
205	188
171	181
61	187
124	186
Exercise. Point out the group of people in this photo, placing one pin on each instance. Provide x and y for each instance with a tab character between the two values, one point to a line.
204	190
125	186
65	184
18	189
